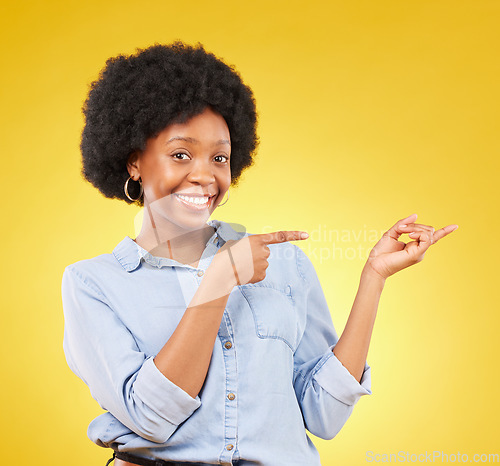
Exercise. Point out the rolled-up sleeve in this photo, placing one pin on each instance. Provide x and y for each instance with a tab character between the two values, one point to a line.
325	389
122	379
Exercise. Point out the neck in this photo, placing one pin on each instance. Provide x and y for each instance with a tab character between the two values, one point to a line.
162	238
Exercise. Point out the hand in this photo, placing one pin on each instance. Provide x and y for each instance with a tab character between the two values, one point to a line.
245	261
390	255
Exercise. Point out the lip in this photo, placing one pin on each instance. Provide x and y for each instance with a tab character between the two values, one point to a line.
195	208
182	193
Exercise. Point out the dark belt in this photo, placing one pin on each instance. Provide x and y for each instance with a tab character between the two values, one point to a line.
121	455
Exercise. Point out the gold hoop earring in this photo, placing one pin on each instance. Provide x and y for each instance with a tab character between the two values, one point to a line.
126	189
225	200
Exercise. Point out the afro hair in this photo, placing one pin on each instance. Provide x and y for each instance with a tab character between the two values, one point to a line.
135	97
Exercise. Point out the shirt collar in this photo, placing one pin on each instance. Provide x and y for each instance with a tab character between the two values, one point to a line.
129	254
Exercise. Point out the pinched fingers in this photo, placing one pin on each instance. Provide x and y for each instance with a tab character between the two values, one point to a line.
414	231
417	230
397	229
423	238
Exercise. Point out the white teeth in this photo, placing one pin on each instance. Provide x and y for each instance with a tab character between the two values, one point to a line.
194	200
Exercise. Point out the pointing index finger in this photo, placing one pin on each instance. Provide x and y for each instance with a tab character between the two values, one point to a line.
283	236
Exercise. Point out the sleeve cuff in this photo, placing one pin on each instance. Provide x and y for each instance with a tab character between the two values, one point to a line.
162	395
339	382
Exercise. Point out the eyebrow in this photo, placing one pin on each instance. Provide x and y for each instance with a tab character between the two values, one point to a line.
195	141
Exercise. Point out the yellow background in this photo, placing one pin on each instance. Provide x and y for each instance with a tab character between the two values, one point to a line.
369	111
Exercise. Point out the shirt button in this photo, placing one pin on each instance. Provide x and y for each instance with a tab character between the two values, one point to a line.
231	396
200	273
229	447
228	345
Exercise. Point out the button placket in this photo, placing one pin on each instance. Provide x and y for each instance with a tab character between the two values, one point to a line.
231	405
208	254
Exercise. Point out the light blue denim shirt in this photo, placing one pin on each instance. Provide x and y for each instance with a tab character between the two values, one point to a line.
272	374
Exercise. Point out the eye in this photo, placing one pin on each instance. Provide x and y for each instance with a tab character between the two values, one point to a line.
226	159
180	154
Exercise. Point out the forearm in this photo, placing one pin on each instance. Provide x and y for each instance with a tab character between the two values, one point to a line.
352	347
185	357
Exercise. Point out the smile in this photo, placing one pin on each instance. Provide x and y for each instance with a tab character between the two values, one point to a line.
195	203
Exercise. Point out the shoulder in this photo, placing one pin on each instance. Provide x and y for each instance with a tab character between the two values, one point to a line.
96	271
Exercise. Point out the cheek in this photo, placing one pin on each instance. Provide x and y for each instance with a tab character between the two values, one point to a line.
226	178
162	182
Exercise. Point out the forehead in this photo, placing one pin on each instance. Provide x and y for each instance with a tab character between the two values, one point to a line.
205	126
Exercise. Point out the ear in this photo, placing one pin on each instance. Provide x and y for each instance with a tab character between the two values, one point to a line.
133	164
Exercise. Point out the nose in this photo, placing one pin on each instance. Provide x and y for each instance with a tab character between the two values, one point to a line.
201	172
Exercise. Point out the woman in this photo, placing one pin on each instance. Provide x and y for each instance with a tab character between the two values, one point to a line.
205	344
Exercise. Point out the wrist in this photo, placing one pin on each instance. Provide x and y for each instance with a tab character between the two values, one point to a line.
369	274
221	270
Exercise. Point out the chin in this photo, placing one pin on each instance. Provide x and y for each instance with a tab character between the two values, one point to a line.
169	210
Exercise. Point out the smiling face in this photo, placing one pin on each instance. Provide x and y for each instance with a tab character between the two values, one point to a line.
185	171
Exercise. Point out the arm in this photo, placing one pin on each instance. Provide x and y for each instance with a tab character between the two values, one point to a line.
184	363
352	348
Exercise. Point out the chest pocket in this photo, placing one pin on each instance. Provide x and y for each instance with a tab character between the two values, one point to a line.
273	312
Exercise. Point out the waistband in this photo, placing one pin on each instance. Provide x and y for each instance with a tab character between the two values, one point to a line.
121	455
